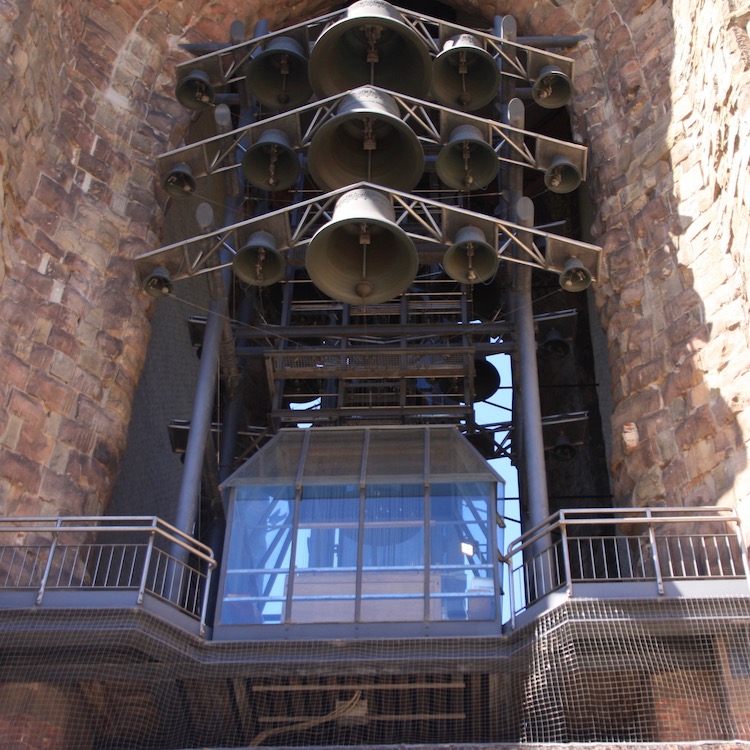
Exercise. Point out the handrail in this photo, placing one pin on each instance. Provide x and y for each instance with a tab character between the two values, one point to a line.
151	578
617	516
56	525
539	546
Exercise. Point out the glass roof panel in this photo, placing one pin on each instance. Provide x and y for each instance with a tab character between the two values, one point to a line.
334	455
396	454
277	462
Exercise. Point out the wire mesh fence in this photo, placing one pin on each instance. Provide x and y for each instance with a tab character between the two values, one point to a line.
656	669
618	671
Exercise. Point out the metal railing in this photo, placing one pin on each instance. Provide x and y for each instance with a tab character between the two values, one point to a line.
146	555
630	545
139	553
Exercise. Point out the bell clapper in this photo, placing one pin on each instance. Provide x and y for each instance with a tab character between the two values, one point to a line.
274	157
259	265
373	34
471	274
364	287
545	87
283	97
464	98
466	154
555	178
369	144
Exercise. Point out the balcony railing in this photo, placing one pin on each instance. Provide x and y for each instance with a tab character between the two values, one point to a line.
586	552
143	555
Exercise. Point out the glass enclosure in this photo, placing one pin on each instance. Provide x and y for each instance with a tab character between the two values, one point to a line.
369	525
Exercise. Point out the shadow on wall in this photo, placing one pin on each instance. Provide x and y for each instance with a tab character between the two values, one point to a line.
676	438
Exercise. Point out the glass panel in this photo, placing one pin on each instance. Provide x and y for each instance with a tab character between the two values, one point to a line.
259	555
396	453
462	550
393	553
334	456
277	462
326	554
452	458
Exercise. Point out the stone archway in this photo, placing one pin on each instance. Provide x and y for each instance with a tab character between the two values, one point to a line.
92	105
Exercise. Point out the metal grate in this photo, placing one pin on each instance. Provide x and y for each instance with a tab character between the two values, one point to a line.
669	671
385	362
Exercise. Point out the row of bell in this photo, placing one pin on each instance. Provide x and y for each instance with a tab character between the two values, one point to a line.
366	140
363	256
486	381
373	44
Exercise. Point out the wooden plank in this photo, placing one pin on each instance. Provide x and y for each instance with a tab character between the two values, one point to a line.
400	686
383	717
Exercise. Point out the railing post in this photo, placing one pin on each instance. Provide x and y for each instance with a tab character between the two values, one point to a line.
48	566
566	553
743	548
655	553
147	562
206	593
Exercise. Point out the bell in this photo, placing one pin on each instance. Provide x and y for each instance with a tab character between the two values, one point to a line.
158	283
258	262
464	74
179	181
482	441
362	256
277	75
563	449
554	346
471	259
467	161
552	88
271	163
575	277
371	44
366	140
562	176
195	91
486	380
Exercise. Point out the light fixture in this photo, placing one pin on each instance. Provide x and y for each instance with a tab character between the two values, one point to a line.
467	548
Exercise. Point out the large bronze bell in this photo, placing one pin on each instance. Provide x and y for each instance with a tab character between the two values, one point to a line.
194	90
371	44
464	75
258	262
552	88
467	161
471	259
277	75
562	176
271	163
366	141
575	277
362	256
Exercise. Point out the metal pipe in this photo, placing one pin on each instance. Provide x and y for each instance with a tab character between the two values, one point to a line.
200	423
531	411
552	41
522	212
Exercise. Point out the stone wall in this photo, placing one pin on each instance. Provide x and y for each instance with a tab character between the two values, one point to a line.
662	101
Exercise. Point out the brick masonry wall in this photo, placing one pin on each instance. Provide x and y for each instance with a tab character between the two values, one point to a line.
662	101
